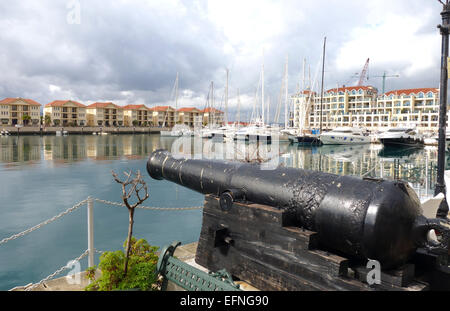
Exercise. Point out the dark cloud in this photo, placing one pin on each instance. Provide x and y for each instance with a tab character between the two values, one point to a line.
130	51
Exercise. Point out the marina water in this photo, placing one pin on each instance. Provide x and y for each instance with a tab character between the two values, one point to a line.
42	176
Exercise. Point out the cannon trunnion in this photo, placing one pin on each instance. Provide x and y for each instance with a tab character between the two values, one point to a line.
292	229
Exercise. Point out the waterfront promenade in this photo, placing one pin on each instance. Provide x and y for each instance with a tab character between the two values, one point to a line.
80	130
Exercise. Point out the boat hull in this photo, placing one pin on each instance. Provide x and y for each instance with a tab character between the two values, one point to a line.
398	142
344	140
253	137
305	140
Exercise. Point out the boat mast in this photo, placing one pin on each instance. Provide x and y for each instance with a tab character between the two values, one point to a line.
226	100
176	92
321	91
262	92
303	78
211	115
176	100
303	103
239	109
286	77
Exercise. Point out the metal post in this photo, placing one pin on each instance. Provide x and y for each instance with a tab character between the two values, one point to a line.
440	182
90	214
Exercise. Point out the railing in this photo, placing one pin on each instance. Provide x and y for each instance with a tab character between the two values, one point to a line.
90	251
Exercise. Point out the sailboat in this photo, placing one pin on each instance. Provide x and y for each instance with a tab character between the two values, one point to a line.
228	130
305	137
208	131
175	132
257	130
283	134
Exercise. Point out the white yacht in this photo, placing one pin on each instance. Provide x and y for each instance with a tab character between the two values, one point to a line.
177	131
253	132
305	137
170	133
401	136
345	136
226	131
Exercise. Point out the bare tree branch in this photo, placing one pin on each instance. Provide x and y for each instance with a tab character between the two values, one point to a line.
137	184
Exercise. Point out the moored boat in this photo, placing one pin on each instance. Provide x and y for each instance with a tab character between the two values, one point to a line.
401	136
345	136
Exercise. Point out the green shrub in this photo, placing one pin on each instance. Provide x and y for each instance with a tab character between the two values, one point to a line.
141	269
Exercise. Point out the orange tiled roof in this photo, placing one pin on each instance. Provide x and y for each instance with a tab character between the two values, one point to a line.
188	109
412	91
308	92
135	107
103	105
10	100
209	109
161	108
59	103
351	88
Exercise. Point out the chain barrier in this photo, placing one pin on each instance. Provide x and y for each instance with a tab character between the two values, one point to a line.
70	210
51	276
150	208
73	208
23	233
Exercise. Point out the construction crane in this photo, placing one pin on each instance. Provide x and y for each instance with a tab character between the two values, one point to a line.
384	76
362	77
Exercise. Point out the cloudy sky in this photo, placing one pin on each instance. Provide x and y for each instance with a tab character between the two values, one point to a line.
129	51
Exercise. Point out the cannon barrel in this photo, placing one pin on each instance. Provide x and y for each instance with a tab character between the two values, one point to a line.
361	218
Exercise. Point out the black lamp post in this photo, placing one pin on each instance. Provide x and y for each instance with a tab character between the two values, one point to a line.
440	183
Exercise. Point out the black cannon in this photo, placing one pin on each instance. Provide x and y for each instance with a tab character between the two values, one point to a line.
357	218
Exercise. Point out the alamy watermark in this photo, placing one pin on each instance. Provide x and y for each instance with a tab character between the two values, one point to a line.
74	276
374	275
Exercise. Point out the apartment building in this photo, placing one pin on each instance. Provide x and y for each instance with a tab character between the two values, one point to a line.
137	115
65	113
361	106
408	106
163	116
189	116
105	114
20	111
213	116
303	104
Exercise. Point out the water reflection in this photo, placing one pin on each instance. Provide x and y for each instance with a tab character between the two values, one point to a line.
403	154
417	166
77	148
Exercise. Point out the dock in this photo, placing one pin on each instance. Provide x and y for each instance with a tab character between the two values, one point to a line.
79	130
